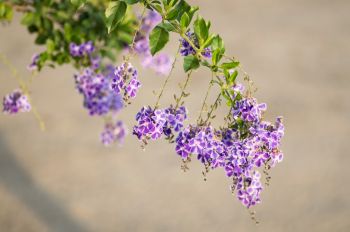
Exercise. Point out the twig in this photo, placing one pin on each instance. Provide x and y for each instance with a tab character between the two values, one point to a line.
167	79
24	88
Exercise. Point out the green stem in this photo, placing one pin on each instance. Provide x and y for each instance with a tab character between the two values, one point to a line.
132	47
212	108
205	98
178	101
167	79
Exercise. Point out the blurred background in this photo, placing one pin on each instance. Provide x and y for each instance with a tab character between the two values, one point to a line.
298	54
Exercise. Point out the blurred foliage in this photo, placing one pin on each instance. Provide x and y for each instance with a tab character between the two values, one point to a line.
57	23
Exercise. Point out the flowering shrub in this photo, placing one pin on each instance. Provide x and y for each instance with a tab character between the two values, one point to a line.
89	35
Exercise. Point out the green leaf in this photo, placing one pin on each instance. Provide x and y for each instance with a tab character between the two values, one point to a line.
218	48
216	57
190	62
205	63
158	8
201	30
171	3
50	46
192	10
6	12
68	31
114	14
230	76
78	2
108	53
158	38
167	26
41	38
209	41
182	7
230	65
185	21
28	19
233	76
172	14
9	14
217	43
130	2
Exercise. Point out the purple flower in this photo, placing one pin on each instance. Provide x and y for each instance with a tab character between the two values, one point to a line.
113	132
187	49
99	98
132	88
83	49
249	188
142	47
207	53
238	155
174	120
75	50
87	48
16	102
152	124
122	74
238	88
202	142
248	109
95	62
150	21
160	63
34	62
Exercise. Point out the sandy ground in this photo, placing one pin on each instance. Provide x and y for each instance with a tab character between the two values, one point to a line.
298	54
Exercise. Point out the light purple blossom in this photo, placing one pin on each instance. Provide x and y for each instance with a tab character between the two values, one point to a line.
113	133
132	88
161	63
248	110
249	189
75	50
126	79
95	62
34	63
99	98
150	21
83	49
87	48
152	124
16	102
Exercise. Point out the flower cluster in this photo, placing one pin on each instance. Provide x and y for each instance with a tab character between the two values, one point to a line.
187	49
200	141
248	110
99	99
125	79
152	124
95	84
113	133
160	63
239	150
239	155
83	49
16	102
